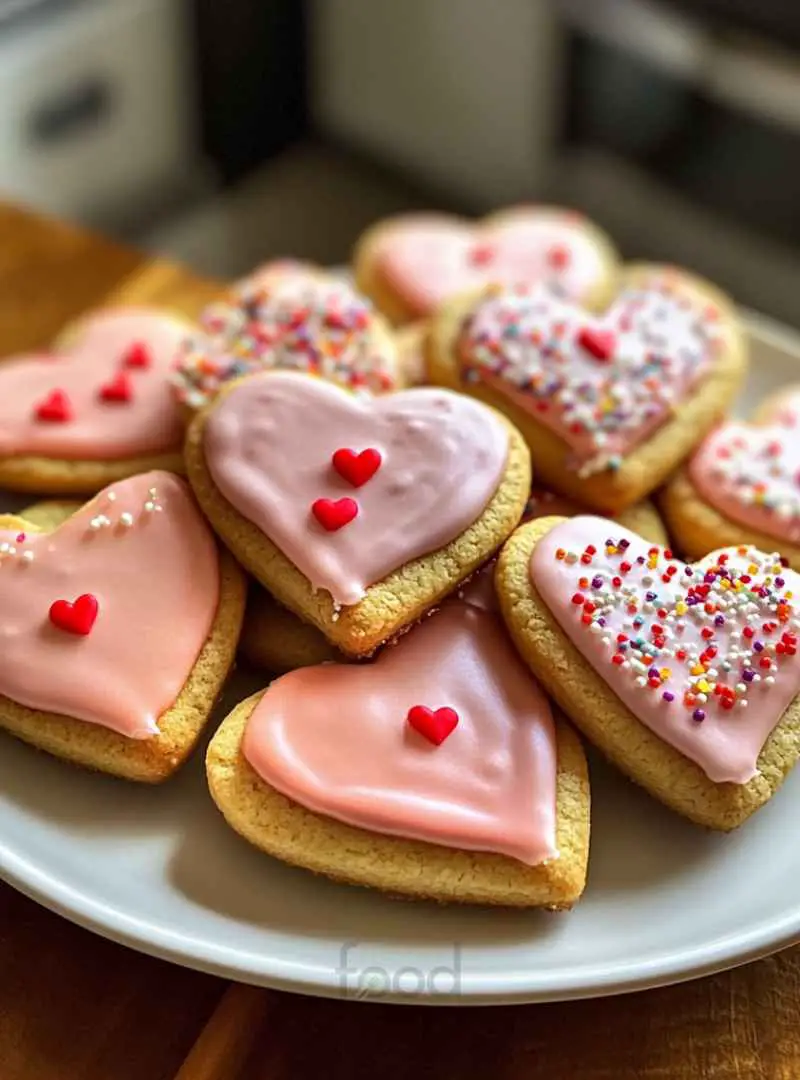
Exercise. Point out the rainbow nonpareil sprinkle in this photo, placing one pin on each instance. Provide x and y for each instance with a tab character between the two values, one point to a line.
696	637
601	383
301	322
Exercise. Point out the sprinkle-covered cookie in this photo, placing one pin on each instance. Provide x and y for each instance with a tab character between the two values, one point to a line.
742	485
437	771
609	403
686	676
92	669
292	317
95	409
412	264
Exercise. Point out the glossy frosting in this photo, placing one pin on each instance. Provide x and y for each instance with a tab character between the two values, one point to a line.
156	581
526	344
100	430
706	659
269	445
335	739
290	316
428	257
751	473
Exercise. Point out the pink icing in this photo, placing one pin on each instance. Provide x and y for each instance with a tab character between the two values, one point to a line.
527	344
100	430
269	446
156	580
428	258
652	679
335	739
751	473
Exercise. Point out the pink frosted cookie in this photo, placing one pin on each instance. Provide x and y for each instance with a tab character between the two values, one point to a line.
94	410
93	668
742	485
685	676
608	404
288	316
436	771
357	513
412	264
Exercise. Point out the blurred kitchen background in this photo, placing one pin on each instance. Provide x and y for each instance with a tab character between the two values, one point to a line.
225	132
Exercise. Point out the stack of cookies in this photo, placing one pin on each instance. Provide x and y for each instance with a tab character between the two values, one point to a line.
441	495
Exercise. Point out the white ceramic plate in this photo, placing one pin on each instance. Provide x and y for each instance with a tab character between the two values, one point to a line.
159	870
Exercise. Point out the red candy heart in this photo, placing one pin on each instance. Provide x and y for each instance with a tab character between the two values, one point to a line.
481	255
434	726
355	468
600	343
137	356
332	514
77	617
119	390
55	408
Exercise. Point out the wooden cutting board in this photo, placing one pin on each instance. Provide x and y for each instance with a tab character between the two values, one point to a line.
76	1007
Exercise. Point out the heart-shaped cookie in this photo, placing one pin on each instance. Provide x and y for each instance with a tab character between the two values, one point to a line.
452	484
92	667
686	676
410	265
610	404
96	409
742	485
334	769
288	316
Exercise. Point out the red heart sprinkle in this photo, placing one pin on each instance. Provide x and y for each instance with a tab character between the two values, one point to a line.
558	257
355	468
119	389
435	726
77	617
481	254
332	514
600	343
56	408
137	356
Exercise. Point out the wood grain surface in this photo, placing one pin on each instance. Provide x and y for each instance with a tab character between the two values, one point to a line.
76	1007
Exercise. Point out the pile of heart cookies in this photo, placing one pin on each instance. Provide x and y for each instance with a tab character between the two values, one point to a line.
439	504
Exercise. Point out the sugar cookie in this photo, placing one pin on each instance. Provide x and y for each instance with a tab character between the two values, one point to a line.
411	264
610	405
120	626
437	771
359	514
288	316
742	485
96	409
685	676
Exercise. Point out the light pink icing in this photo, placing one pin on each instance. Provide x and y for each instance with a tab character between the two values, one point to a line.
100	430
527	344
156	580
335	739
427	258
751	473
269	445
724	743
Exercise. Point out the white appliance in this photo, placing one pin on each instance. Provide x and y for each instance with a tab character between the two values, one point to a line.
96	107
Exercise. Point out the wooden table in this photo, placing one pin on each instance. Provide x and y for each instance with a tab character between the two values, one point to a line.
76	1007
